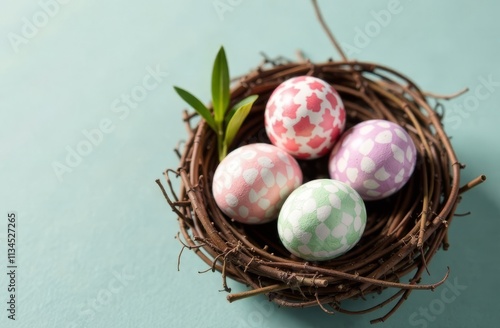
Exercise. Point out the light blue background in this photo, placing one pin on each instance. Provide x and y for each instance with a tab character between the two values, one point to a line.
105	234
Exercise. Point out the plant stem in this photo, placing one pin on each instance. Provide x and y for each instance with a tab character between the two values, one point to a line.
221	149
327	30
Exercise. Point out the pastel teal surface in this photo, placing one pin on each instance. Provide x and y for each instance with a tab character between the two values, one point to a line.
89	120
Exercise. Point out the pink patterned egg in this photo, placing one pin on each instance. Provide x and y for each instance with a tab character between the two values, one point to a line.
304	116
376	158
252	182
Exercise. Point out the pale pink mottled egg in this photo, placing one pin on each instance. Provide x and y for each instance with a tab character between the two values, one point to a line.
304	116
252	182
375	157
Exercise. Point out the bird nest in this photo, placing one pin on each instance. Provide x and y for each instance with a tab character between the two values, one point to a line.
403	232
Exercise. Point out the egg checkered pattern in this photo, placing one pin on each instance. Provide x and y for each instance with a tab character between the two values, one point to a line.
304	116
375	157
251	183
321	220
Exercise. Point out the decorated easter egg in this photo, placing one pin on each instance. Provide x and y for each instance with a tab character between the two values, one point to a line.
321	220
304	116
375	157
251	183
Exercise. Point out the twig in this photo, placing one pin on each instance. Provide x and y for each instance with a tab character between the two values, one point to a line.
471	184
263	290
446	97
327	30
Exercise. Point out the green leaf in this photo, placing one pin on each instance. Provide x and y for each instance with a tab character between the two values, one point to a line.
220	86
239	114
197	105
249	99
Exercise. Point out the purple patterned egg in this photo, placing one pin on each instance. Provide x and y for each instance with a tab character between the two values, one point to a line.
376	158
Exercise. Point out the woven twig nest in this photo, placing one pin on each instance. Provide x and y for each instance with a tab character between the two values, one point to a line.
403	231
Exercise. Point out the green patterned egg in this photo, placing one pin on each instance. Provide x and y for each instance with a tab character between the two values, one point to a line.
321	220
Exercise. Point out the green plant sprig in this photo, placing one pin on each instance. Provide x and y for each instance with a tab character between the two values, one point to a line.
223	121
